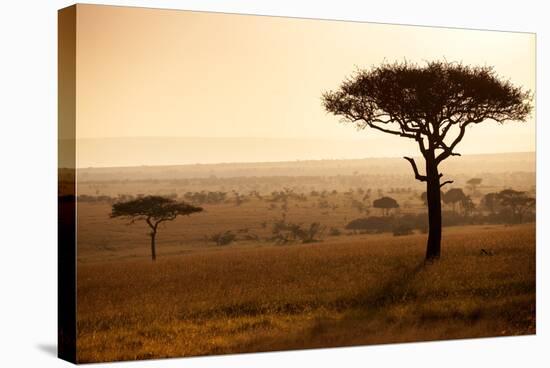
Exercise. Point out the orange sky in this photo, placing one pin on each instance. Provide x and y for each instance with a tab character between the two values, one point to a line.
158	73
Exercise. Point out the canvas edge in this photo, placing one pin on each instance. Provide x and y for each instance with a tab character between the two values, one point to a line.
66	218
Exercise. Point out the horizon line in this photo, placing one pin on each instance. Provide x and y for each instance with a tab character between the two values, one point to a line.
284	161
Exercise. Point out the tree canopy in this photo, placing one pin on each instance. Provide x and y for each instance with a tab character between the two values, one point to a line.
518	202
431	104
153	209
385	203
454	195
474	181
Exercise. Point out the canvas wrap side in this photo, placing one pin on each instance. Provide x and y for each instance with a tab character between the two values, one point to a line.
66	222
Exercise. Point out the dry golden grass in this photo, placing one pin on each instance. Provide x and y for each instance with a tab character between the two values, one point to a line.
346	290
101	238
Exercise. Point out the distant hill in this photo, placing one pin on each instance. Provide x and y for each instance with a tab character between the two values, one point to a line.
154	151
465	165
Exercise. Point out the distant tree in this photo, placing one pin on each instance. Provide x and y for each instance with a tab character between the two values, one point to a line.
433	105
467	205
223	238
402	229
473	184
256	194
372	224
518	202
454	196
490	201
312	233
334	231
386	204
284	232
239	198
359	206
154	210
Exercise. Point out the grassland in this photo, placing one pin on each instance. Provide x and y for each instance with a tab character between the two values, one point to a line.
346	290
350	288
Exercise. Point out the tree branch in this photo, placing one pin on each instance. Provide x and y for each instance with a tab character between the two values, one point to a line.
168	218
448	150
148	220
415	169
446	182
394	132
420	142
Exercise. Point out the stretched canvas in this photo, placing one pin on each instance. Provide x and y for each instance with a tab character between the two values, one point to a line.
238	183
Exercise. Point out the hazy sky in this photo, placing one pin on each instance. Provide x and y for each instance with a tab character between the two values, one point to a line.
157	73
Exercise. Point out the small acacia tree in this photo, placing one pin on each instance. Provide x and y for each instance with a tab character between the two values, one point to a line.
432	105
154	210
454	196
386	204
490	202
473	183
518	202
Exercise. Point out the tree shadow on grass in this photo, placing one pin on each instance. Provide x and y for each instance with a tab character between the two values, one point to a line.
365	316
356	322
393	291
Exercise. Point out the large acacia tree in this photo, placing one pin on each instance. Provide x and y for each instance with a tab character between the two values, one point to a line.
154	210
433	105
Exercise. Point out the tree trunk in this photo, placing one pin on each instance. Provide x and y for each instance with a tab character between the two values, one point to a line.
153	246
433	191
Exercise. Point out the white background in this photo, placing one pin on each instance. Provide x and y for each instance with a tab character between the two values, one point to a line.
28	183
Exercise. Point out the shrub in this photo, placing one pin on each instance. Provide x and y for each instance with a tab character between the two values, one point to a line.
334	231
372	224
311	234
402	230
223	238
284	232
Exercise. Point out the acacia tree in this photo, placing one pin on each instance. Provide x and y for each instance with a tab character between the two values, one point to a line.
518	202
454	196
432	105
490	201
386	204
473	184
467	205
154	210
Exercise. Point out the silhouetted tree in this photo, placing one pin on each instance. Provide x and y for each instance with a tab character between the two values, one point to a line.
154	210
490	201
424	198
454	196
473	183
432	105
518	202
467	205
386	204
223	238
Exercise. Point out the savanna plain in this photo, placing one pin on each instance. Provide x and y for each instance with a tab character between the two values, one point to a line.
298	255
